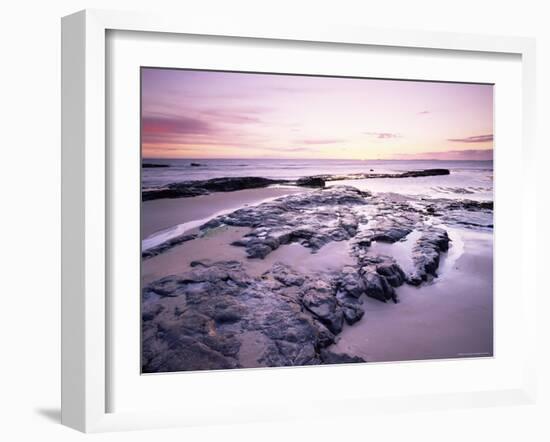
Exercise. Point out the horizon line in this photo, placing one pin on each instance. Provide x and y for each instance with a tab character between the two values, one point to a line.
310	159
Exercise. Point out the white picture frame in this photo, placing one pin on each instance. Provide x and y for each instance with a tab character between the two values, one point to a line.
85	202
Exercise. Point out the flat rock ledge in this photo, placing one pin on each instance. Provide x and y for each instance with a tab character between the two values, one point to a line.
368	176
187	189
312	219
339	213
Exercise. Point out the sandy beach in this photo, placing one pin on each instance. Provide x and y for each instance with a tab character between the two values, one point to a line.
292	220
325	258
164	213
450	318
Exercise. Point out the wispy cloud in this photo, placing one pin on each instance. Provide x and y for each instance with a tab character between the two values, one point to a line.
206	126
231	116
469	154
383	135
474	139
320	141
163	129
290	149
246	114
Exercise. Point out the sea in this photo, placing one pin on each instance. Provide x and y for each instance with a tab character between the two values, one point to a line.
467	180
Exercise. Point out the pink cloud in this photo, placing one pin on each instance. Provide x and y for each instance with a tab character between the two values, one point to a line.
321	141
474	139
249	114
383	135
465	155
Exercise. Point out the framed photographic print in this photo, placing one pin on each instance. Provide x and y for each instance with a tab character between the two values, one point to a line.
278	209
266	222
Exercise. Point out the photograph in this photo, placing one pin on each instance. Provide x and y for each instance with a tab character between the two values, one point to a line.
303	219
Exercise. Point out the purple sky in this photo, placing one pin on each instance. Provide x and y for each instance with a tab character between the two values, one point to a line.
201	114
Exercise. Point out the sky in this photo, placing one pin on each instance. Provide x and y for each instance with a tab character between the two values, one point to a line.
209	114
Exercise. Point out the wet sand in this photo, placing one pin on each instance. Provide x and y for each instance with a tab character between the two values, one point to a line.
161	214
330	258
451	317
216	245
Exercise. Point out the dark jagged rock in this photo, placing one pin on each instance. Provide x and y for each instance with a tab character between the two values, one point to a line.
186	189
316	218
319	299
217	316
352	308
427	252
312	219
233	183
377	287
352	313
461	212
286	276
311	181
204	318
165	192
367	176
350	282
467	213
329	357
153	165
393	273
390	235
381	274
470	205
195	188
426	172
196	164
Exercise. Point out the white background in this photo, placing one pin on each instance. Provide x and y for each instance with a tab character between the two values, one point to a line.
30	111
300	386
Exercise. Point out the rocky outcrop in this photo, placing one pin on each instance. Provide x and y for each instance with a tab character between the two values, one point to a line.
194	188
329	357
312	219
153	165
461	212
425	172
216	317
389	235
427	252
367	176
381	275
186	189
311	181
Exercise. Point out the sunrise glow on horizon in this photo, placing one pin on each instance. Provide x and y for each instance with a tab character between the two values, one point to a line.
209	114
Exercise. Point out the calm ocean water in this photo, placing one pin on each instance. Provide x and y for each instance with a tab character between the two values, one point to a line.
468	179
